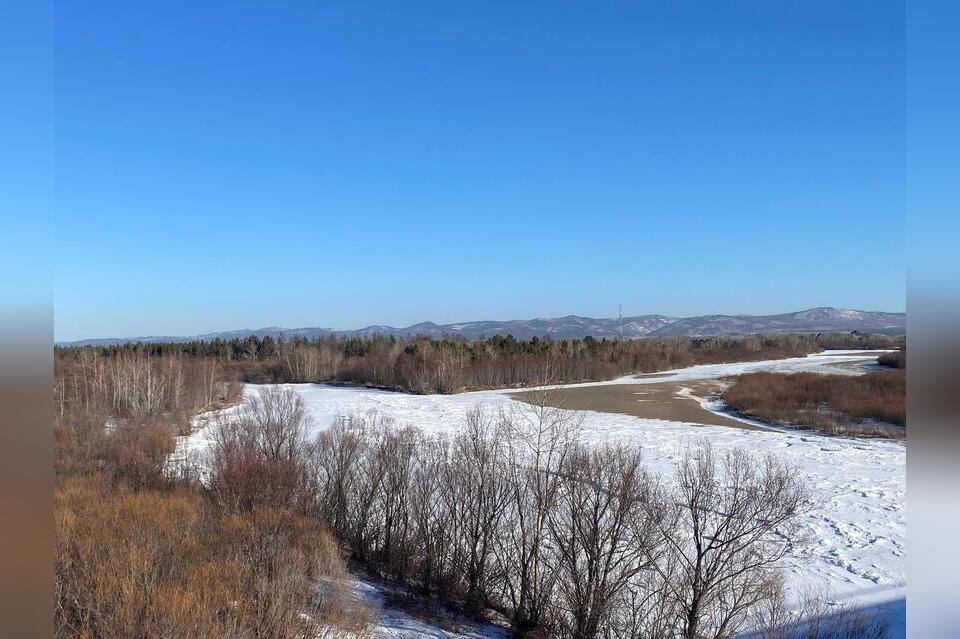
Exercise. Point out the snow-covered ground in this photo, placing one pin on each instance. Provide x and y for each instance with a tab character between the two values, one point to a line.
858	526
392	622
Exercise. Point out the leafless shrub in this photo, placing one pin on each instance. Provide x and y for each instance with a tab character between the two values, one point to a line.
433	530
394	452
835	403
896	359
259	456
135	454
644	609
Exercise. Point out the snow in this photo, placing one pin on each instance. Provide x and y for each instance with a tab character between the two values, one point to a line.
858	526
394	623
825	362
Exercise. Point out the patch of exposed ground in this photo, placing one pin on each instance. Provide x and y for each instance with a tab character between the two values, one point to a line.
668	401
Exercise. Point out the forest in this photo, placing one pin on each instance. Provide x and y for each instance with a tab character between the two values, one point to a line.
450	365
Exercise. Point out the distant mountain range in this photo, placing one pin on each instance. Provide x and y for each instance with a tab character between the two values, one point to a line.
814	320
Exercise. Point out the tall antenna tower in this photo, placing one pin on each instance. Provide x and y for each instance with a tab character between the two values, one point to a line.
620	323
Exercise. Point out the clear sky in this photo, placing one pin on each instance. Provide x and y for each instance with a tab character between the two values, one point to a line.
245	164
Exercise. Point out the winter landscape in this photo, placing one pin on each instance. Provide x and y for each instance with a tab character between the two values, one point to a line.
859	484
486	320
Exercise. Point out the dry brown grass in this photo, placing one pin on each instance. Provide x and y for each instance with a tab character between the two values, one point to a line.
160	563
897	359
860	404
140	553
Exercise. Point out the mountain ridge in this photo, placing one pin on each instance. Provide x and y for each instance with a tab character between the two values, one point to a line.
813	320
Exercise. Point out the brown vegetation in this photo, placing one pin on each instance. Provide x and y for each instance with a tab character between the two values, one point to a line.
137	385
896	359
449	365
143	552
855	404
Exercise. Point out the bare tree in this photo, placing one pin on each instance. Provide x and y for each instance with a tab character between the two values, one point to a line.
732	521
602	534
540	439
433	536
478	495
349	466
394	451
643	610
337	455
574	541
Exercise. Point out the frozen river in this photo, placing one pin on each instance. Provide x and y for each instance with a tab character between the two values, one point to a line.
858	526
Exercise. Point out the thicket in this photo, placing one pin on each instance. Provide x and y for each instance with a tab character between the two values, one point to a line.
144	551
834	403
896	359
450	365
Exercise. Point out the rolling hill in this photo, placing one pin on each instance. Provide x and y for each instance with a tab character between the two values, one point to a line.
813	320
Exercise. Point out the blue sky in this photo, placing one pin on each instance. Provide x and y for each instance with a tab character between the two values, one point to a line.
244	164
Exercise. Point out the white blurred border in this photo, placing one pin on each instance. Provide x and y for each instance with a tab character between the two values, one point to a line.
933	328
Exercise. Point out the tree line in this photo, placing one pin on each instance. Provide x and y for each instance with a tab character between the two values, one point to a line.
449	365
